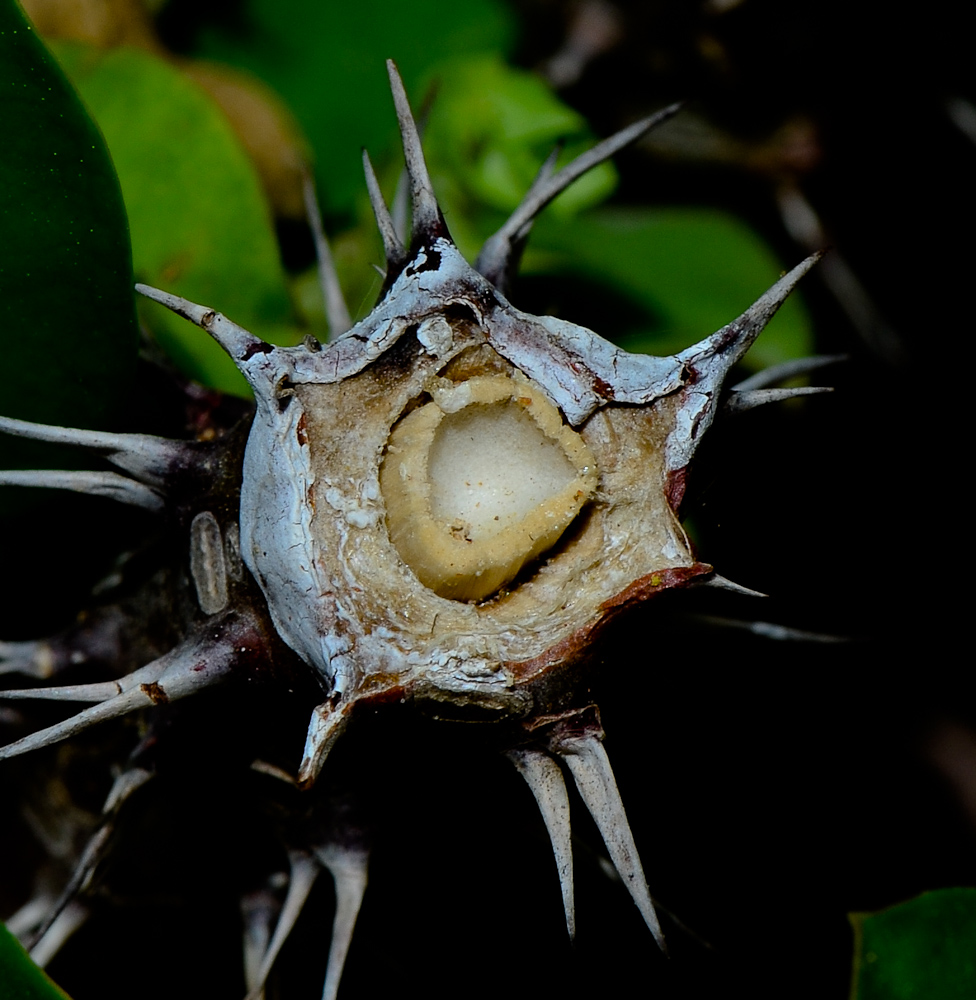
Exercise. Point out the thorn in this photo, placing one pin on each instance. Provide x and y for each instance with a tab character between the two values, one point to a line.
493	260
259	910
740	401
801	221
273	771
545	780
589	765
304	870
770	630
102	484
396	254
195	664
726	346
93	853
348	867
336	311
123	786
235	340
520	239
34	658
324	728
428	223
100	691
111	709
709	361
67	913
72	916
22	923
145	456
788	369
721	583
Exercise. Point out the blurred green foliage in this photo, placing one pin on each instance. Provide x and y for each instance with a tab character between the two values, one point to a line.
20	978
66	313
924	949
326	60
200	224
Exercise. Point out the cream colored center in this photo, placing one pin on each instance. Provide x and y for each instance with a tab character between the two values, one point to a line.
480	481
491	467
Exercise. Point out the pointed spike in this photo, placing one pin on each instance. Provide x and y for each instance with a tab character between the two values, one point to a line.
111	709
393	248
721	583
145	456
304	870
103	484
235	340
348	867
516	245
326	725
22	923
493	261
707	363
70	919
201	660
589	765
771	630
787	369
123	786
739	402
545	780
99	691
428	223
336	310
93	853
725	347
34	658
259	910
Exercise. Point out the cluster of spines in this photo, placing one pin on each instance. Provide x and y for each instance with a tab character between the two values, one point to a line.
153	465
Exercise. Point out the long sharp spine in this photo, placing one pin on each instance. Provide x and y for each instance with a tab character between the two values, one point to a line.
787	369
103	484
199	662
324	728
336	310
144	456
590	767
545	780
348	867
428	223
240	344
304	870
393	248
740	402
494	260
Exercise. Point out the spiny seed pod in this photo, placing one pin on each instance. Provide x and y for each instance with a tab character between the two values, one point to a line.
443	509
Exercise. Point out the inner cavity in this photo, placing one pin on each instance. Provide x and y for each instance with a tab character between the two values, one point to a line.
490	466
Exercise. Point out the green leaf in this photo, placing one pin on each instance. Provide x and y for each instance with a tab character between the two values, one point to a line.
67	321
20	978
924	949
201	226
689	270
327	61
